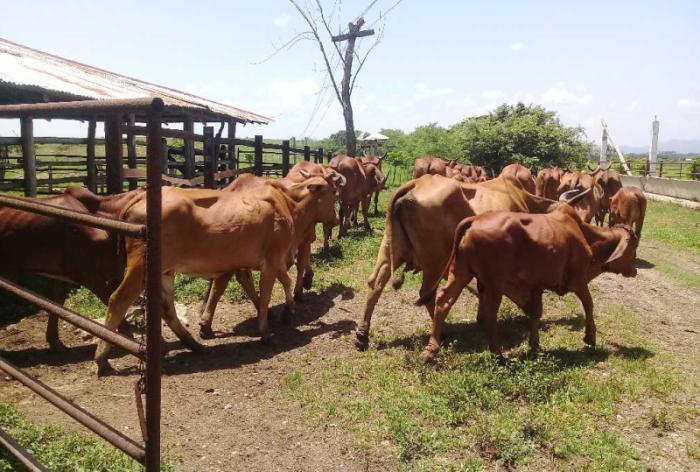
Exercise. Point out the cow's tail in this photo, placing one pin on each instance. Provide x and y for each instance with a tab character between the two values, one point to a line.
395	235
460	230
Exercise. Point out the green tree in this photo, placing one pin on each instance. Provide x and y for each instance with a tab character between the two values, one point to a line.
530	135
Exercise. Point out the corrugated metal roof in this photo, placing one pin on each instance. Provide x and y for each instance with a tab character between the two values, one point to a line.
28	67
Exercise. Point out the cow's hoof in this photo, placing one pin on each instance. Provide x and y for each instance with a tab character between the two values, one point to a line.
266	339
308	280
194	346
361	341
104	369
299	297
589	339
205	332
428	356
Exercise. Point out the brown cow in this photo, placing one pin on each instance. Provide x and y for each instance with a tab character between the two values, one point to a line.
209	233
474	174
376	161
520	256
522	174
421	218
67	253
587	207
610	182
353	192
305	274
547	182
628	206
431	165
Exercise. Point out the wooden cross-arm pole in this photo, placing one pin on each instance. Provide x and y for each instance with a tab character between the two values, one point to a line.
346	36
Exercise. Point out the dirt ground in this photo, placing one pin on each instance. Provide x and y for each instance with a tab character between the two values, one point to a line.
226	409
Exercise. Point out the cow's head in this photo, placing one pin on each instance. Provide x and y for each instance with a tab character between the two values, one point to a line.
621	261
322	190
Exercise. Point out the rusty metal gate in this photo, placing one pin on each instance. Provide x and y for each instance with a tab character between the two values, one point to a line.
147	453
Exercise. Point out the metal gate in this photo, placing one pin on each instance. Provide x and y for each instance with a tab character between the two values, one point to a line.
147	453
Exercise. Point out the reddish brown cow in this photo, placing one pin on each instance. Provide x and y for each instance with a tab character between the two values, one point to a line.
610	182
209	233
353	192
522	174
589	206
520	256
431	165
548	181
376	161
628	206
421	218
305	274
70	254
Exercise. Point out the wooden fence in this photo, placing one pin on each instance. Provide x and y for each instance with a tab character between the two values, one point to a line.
678	169
61	162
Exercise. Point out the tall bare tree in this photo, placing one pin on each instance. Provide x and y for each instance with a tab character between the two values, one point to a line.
342	80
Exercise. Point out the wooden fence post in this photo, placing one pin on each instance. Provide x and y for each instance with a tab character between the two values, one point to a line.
231	148
210	157
90	152
661	168
329	156
131	152
319	156
28	156
307	153
258	165
188	151
114	154
285	157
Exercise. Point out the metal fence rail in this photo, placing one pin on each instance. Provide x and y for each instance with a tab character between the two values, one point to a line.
149	453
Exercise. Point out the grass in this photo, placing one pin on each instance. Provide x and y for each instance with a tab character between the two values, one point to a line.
674	225
61	450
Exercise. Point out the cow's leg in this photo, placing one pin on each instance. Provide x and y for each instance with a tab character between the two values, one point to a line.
355	211
365	212
267	282
342	216
585	296
58	294
216	290
170	315
286	282
328	234
377	281
533	309
445	300
489	302
245	278
120	301
303	264
376	203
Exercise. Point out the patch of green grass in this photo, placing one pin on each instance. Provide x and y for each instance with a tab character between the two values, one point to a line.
61	450
86	303
681	274
674	225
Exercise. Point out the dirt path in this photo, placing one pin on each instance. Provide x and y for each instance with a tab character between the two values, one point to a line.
227	410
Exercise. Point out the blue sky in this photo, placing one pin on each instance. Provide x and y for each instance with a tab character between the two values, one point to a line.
439	61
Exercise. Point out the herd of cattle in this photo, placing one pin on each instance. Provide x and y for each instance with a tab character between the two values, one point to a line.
516	235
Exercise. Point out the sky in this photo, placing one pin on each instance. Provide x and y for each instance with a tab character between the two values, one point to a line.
439	61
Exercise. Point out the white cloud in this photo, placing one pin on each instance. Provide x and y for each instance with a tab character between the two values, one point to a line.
561	95
493	94
281	21
688	103
517	46
423	92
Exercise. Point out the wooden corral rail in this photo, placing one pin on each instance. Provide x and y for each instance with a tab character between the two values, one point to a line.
203	160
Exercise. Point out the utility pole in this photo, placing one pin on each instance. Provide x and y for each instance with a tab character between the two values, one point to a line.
603	147
653	150
617	149
354	31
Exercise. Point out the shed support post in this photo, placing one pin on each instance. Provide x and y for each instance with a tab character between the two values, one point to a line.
114	154
90	152
28	156
189	169
285	157
131	151
231	148
307	153
210	157
258	165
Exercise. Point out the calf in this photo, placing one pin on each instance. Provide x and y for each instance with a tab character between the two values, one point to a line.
610	183
376	161
432	165
209	233
547	182
628	206
353	192
587	207
69	254
520	255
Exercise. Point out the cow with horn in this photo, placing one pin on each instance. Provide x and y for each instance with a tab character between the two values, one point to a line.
610	182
